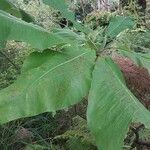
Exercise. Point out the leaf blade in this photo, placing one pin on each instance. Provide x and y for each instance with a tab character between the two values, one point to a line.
118	24
12	28
49	86
112	107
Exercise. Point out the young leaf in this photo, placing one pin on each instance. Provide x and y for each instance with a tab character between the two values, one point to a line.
50	81
118	24
66	13
112	107
12	28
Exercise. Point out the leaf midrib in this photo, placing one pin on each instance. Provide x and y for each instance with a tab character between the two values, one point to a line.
52	69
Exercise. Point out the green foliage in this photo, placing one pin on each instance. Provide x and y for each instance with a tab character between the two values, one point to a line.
133	40
118	24
12	28
112	110
65	75
61	74
96	38
10	8
106	28
96	19
63	8
134	44
69	36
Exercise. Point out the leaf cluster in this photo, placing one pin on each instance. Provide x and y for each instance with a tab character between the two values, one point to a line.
64	68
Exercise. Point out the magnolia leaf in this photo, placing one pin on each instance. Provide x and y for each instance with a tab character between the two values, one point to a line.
65	12
7	6
118	24
54	81
12	28
112	107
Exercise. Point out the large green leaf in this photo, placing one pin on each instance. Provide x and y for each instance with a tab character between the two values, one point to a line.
50	81
112	107
12	28
66	13
7	6
118	24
